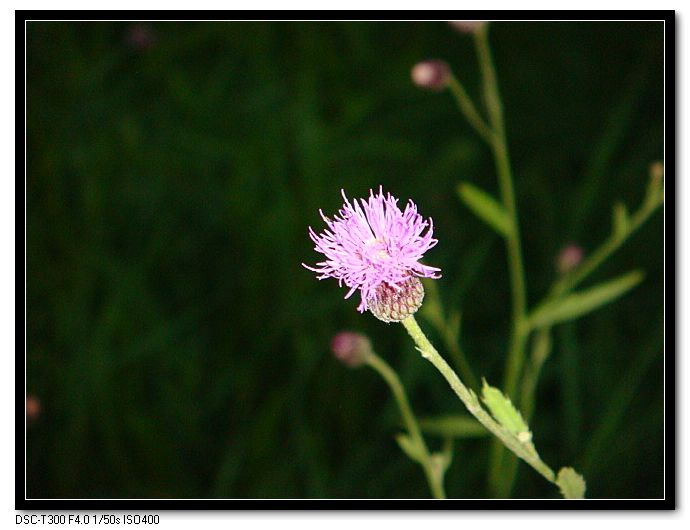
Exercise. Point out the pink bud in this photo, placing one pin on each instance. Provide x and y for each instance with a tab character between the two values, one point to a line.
656	171
431	75
350	348
33	407
467	26
569	257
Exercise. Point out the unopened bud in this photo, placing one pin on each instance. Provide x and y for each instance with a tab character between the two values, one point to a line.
431	75
656	171
351	348
394	303
568	258
467	26
33	407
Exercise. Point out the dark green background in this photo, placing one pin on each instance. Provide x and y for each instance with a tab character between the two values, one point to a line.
178	346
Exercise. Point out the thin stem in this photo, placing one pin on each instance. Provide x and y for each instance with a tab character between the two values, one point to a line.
449	329
541	349
505	179
469	110
434	478
607	248
471	401
456	351
515	359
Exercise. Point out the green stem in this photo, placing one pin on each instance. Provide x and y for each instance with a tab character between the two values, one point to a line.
434	477
450	333
469	110
515	359
471	401
541	349
505	180
451	343
607	248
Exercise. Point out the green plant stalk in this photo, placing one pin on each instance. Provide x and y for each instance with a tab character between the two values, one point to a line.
434	478
471	402
541	349
594	260
469	110
505	179
450	336
451	343
515	359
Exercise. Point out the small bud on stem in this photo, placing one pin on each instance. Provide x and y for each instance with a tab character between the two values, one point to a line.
467	26
569	257
351	348
431	75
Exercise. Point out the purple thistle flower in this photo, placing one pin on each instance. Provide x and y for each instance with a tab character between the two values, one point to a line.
373	246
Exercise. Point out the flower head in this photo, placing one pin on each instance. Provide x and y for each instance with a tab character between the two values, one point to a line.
374	247
433	74
467	26
569	257
351	348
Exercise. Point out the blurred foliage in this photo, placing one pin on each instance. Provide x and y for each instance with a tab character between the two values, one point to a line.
179	348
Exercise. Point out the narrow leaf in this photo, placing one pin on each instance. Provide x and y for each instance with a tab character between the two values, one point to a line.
455	426
409	447
505	412
583	302
486	208
571	483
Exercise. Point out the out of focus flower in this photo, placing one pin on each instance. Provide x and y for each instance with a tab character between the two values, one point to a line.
33	407
433	74
656	171
140	37
467	26
374	247
350	348
568	258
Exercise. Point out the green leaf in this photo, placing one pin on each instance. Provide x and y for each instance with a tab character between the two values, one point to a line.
571	483
581	303
505	413
453	425
410	448
486	208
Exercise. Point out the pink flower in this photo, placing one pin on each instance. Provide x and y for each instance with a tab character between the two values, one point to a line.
351	348
569	257
372	246
467	26
433	74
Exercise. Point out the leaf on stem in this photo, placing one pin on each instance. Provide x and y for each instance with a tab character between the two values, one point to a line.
453	426
409	447
583	302
571	483
505	413
486	208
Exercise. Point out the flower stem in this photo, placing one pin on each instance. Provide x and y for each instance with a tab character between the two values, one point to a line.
448	327
469	110
499	146
471	402
505	178
434	477
607	248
